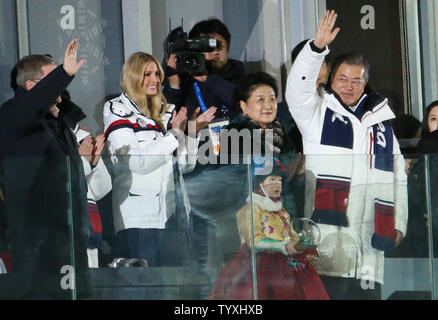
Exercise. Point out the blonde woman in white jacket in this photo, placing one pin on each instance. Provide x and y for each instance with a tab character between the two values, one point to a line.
149	152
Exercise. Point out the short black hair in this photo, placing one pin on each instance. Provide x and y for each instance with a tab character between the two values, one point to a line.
249	83
278	170
210	26
296	51
405	126
425	124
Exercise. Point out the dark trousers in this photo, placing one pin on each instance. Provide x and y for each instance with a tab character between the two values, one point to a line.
140	244
160	247
350	289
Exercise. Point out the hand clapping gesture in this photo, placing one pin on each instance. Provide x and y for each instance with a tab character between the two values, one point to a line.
71	64
204	119
179	120
86	148
99	143
326	32
91	148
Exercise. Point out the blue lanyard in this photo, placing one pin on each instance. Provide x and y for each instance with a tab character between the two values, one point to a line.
199	96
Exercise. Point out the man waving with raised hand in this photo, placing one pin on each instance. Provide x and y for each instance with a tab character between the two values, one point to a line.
356	185
44	179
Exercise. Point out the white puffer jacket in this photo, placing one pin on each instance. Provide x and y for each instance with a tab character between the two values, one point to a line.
354	155
143	159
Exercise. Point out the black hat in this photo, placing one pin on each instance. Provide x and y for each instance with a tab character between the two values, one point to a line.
272	167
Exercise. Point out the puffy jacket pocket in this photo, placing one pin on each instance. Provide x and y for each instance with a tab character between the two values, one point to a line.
141	205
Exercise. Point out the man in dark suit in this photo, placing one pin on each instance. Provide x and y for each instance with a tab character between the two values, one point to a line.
44	182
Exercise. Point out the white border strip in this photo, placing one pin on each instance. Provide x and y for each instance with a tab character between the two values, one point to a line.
22	28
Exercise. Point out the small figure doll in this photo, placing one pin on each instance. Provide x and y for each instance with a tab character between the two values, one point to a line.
283	271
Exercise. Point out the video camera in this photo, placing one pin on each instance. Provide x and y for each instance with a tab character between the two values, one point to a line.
189	51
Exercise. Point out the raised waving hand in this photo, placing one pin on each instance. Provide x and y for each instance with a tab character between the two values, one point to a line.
326	30
71	64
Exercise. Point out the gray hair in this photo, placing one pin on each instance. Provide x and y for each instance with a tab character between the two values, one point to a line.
352	59
29	68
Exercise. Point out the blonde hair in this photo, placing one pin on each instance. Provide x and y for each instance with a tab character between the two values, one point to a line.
131	84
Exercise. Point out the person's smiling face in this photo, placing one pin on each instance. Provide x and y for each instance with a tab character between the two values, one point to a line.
349	83
151	81
261	105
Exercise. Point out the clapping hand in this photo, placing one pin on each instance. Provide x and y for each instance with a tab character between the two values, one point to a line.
98	145
204	119
326	32
71	64
86	148
179	120
91	148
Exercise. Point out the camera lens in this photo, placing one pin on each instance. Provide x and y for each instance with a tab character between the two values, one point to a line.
191	62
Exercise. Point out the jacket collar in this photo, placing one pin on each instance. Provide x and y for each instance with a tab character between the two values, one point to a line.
133	106
265	202
129	103
376	107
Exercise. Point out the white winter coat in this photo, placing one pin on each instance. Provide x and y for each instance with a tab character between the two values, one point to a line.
98	180
142	155
338	144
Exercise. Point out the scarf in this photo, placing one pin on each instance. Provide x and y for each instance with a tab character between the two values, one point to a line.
261	198
281	143
332	192
95	238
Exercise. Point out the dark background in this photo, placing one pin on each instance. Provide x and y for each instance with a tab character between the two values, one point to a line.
381	46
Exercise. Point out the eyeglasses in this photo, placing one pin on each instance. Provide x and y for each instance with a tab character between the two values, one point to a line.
355	83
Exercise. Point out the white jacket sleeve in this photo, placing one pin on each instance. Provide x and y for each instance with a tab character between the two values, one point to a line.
400	189
3	269
142	157
301	92
99	181
188	152
87	167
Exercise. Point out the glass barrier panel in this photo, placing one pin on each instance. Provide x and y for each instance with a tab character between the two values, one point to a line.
173	227
411	265
431	171
43	217
313	227
8	47
361	232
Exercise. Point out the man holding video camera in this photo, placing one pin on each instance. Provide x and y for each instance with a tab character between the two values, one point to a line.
210	81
